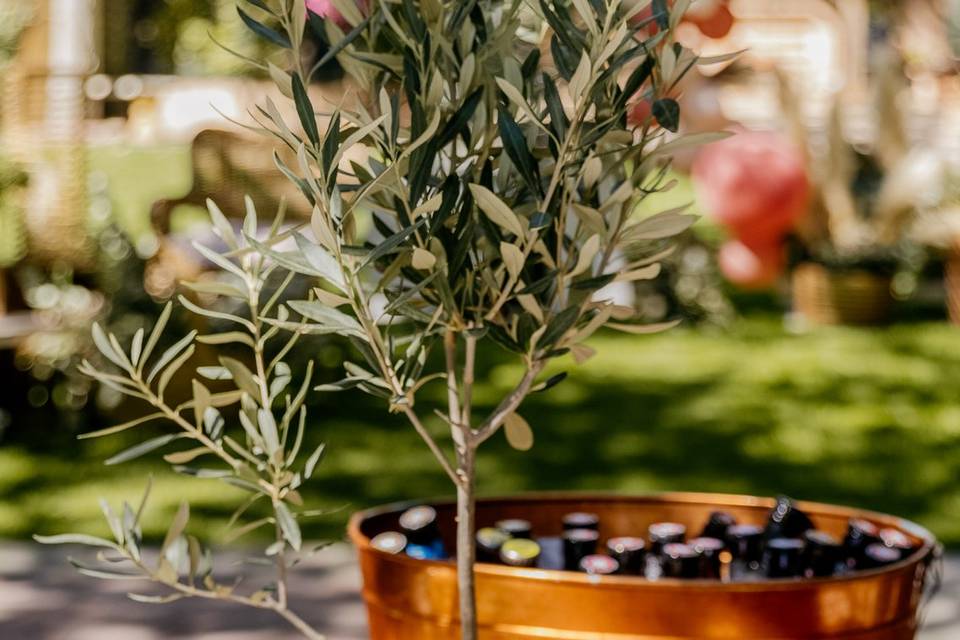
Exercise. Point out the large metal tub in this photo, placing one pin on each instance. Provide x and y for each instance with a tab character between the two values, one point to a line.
417	600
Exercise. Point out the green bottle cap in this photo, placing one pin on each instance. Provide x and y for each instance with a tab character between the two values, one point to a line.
520	552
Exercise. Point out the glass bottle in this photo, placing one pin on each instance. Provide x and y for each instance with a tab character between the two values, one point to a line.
419	525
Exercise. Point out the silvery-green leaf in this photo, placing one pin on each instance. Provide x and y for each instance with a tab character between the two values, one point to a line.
221	225
170	354
77	538
325	315
213	423
209	313
112	520
155	333
217	288
313	460
226	338
288	525
120	427
643	328
183	457
242	376
496	209
136	347
215	373
143	448
661	225
268	429
102	342
324	263
146	599
171	370
177	526
275	548
518	432
218	260
201	401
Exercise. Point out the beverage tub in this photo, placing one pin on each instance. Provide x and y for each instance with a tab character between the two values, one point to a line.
410	599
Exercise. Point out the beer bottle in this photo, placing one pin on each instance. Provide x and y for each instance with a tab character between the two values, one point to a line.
520	552
786	520
860	534
662	533
745	542
581	520
599	565
878	555
628	552
821	554
783	558
419	524
577	544
897	540
489	541
392	542
680	560
709	550
717	525
515	527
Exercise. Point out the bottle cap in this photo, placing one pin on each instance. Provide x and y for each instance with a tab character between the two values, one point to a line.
599	565
783	558
706	545
878	555
581	535
418	518
821	553
392	542
667	531
519	552
581	520
896	540
515	527
746	542
491	538
625	544
680	561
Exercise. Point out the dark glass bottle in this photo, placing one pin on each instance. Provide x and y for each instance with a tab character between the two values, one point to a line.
392	542
745	542
520	552
551	553
599	565
717	525
577	544
628	552
878	555
709	550
489	541
680	561
419	524
783	558
515	527
662	533
860	535
786	520
581	520
822	554
897	540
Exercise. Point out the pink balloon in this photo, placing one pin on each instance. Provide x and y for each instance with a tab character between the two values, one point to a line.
755	183
751	267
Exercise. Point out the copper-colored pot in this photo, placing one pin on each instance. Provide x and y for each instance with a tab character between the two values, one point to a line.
417	600
855	296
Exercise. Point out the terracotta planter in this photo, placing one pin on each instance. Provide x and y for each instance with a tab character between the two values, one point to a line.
417	600
854	296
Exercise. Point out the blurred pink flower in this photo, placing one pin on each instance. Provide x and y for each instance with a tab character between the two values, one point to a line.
326	9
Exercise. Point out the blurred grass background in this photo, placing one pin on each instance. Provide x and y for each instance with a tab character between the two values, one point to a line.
862	417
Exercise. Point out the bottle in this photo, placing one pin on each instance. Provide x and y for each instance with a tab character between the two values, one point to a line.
577	544
822	553
489	541
783	558
717	525
662	533
419	525
877	555
786	520
709	550
745	542
392	542
680	561
860	534
520	552
897	540
581	520
599	565
628	552
515	527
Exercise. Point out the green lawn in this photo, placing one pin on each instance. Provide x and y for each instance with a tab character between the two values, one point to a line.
861	417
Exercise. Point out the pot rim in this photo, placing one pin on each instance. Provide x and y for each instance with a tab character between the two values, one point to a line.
922	555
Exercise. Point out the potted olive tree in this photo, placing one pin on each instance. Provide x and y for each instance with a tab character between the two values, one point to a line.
476	194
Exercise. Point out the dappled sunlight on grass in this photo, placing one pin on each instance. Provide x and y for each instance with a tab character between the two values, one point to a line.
869	418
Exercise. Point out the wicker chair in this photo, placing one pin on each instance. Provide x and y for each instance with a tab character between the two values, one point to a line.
226	167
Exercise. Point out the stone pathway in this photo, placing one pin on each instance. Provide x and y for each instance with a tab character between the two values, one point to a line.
43	598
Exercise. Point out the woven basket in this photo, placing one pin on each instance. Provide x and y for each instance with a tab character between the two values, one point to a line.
829	297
